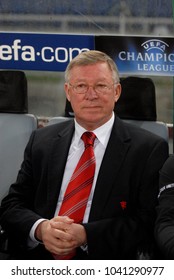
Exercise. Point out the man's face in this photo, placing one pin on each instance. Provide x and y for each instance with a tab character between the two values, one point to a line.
93	108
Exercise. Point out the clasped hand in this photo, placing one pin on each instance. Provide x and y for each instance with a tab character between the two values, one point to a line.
61	235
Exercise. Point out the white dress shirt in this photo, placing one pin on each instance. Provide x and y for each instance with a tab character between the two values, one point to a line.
76	149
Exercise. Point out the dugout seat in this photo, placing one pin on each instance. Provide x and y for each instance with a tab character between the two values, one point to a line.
16	126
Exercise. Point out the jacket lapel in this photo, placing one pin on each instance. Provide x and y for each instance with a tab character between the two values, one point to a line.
115	153
59	149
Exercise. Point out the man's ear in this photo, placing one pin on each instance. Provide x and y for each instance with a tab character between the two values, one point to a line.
66	89
117	92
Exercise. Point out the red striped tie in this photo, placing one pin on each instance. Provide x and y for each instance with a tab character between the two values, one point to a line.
79	187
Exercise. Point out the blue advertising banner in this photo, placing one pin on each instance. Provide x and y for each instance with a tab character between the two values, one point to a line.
52	52
44	52
139	55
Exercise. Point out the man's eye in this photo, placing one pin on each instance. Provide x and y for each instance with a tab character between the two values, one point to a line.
101	86
81	86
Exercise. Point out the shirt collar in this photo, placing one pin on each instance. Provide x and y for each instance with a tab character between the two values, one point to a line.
102	133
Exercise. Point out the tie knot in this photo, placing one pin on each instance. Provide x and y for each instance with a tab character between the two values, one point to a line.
88	138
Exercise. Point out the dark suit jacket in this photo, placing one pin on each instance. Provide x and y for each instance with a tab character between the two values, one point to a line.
123	209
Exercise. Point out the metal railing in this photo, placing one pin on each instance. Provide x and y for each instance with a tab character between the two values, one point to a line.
87	24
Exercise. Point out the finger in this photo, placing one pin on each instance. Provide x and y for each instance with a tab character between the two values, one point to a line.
59	246
62	252
61	225
64	219
63	235
62	247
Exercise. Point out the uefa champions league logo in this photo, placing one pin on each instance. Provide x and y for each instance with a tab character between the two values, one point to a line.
155	57
155	44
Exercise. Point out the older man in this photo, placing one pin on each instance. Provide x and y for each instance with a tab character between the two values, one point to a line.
105	209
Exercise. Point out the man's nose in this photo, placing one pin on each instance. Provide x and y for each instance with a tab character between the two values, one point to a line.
91	93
